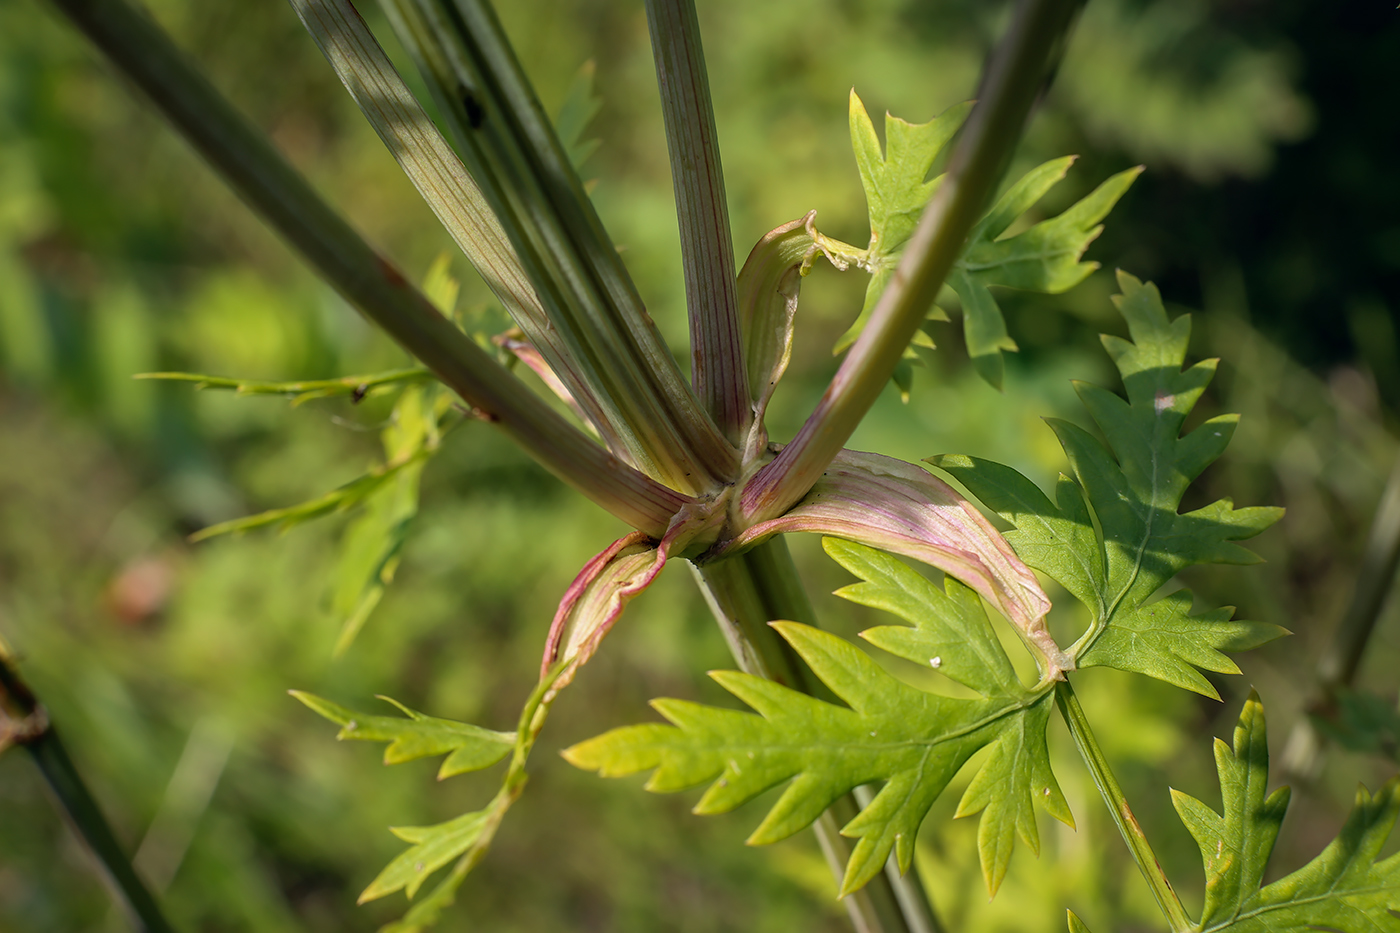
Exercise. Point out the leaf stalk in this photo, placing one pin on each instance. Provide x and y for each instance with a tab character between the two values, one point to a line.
1122	813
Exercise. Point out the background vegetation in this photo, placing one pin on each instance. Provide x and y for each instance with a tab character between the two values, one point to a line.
1271	207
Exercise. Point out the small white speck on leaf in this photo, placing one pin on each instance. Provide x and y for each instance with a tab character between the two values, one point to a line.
1163	401
1046	792
935	662
419	866
351	726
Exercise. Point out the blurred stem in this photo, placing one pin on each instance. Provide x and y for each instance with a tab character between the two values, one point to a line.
707	249
143	53
1118	807
1013	78
745	593
24	722
1336	671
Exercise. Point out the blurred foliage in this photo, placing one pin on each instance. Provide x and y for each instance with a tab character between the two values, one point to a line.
1269	205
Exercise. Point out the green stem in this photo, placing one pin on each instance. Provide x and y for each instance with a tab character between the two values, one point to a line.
707	250
34	732
510	148
142	52
746	593
1014	77
1117	804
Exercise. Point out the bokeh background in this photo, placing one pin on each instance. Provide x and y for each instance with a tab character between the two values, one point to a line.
1270	209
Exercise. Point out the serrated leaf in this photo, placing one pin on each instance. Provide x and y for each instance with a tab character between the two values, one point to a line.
433	847
468	747
912	740
951	633
1134	487
896	190
1044	258
1344	888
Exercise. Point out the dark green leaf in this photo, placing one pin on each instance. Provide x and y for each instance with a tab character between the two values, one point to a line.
1134	487
1344	888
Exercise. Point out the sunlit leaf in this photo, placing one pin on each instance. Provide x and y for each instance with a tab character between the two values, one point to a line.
912	740
467	747
1118	557
433	847
1043	258
1344	888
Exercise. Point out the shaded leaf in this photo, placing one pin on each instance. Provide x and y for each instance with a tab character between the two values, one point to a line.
1344	888
468	747
1362	722
911	740
1134	486
1045	258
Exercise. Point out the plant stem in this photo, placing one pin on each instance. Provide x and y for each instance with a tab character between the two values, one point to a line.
707	250
511	149
1118	807
1014	76
142	52
32	730
746	593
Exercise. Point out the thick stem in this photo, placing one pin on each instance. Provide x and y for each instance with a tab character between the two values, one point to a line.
259	174
707	250
510	147
1117	804
1013	78
746	593
24	722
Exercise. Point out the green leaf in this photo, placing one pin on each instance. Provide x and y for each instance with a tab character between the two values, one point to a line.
358	387
1075	924
433	847
1116	557
468	747
896	190
1343	888
912	740
1043	258
951	633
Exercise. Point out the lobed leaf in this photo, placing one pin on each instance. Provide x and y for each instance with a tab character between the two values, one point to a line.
1344	888
1043	258
912	740
433	847
1114	537
468	747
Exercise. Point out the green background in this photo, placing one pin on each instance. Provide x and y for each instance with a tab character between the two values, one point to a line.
1270	206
